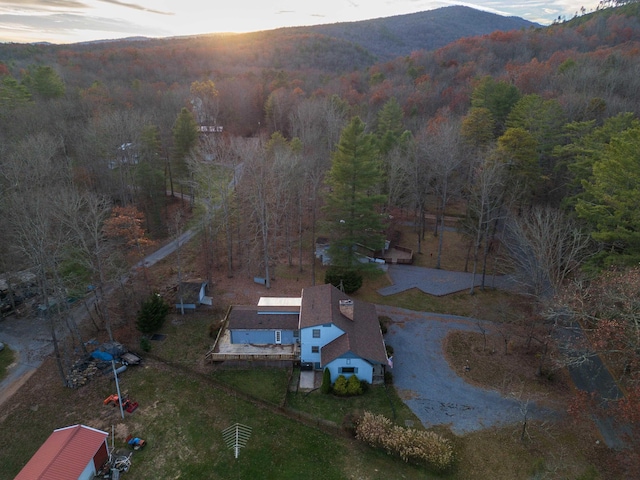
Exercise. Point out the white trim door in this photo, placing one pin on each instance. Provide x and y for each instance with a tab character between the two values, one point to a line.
278	337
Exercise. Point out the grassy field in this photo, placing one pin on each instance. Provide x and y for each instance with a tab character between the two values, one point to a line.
182	419
182	416
6	358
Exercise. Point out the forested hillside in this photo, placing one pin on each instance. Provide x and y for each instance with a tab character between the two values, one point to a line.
391	37
533	133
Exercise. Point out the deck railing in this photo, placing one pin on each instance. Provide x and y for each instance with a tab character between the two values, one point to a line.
255	357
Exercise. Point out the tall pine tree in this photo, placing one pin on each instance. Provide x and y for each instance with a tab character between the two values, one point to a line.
353	204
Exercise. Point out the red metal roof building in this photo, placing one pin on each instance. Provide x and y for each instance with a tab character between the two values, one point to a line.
75	452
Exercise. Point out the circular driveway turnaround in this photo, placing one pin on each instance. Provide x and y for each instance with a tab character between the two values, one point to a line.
427	384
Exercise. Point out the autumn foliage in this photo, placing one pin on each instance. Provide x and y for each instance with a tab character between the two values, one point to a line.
126	225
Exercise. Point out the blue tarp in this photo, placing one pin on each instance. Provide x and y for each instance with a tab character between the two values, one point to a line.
102	356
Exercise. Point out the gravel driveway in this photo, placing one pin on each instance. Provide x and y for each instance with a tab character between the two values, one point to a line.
436	281
434	392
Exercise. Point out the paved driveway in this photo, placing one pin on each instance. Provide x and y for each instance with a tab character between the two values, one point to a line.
434	392
436	281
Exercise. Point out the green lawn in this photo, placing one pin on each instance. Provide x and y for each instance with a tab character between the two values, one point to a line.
268	384
182	419
377	399
7	357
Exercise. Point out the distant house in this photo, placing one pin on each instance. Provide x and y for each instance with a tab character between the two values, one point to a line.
322	250
126	154
392	253
323	328
70	453
210	128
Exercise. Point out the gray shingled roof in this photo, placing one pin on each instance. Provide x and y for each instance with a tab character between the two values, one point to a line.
268	318
321	304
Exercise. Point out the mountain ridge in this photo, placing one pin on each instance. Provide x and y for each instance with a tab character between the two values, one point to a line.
427	30
381	38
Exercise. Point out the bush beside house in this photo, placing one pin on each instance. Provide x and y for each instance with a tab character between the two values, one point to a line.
326	381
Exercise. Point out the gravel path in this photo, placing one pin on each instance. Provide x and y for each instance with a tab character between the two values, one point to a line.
434	392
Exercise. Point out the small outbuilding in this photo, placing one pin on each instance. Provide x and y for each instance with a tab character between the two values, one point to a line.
70	453
190	295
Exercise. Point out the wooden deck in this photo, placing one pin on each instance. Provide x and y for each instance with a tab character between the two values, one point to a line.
224	350
399	255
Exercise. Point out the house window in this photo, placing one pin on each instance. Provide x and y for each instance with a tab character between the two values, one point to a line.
278	336
315	349
348	361
348	370
316	333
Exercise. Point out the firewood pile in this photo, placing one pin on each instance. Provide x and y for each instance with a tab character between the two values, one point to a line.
83	370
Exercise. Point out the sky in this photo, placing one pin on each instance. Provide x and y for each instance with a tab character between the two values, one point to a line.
70	21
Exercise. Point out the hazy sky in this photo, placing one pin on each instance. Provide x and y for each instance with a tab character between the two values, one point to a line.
67	21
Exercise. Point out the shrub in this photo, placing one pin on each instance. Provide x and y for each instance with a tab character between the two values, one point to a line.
152	314
326	381
340	387
353	386
348	278
145	344
372	429
388	377
411	445
384	323
364	385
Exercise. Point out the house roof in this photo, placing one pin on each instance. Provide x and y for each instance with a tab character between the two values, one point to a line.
264	317
334	349
64	455
279	302
362	337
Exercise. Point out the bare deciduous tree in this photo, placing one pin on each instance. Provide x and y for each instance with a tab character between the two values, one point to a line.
484	206
317	123
545	247
84	213
442	143
36	175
